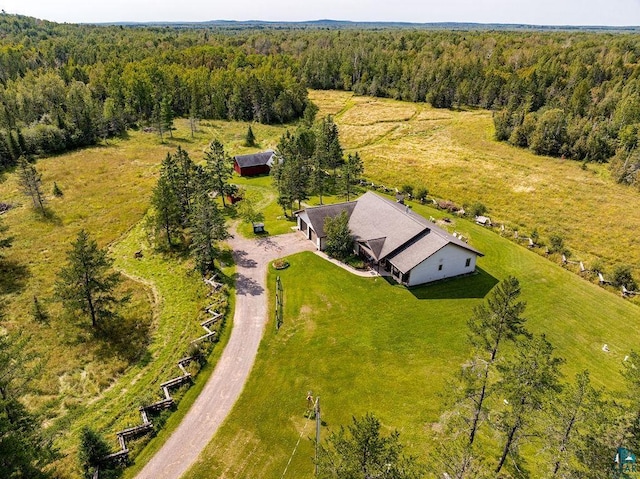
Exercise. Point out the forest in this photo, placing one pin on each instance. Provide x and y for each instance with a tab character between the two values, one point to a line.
566	94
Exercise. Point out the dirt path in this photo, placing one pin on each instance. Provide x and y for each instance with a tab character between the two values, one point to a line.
227	381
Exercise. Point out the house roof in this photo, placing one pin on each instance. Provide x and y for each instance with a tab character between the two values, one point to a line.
316	216
255	159
387	230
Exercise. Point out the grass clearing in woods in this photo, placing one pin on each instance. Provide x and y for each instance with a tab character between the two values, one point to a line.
364	345
454	155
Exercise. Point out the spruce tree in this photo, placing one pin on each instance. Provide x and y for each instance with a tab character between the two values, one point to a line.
250	139
207	227
352	169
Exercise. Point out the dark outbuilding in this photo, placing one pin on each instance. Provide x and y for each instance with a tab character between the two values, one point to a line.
254	164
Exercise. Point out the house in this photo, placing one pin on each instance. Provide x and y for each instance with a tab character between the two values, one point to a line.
391	236
254	164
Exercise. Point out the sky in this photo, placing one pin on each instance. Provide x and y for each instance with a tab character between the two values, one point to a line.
535	12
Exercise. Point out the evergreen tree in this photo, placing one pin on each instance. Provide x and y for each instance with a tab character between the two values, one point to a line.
166	116
93	448
31	184
362	451
87	283
207	227
250	139
328	151
527	380
490	326
57	192
24	448
167	211
352	169
218	168
570	419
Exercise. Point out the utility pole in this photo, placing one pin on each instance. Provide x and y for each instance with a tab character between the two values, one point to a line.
318	422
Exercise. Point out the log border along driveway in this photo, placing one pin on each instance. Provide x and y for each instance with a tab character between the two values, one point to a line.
224	386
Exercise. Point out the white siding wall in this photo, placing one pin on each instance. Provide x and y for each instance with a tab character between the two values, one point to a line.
452	258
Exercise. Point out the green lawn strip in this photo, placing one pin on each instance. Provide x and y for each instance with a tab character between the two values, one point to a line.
154	445
275	223
365	345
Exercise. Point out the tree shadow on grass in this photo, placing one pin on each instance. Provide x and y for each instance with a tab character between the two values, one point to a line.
477	285
13	276
124	337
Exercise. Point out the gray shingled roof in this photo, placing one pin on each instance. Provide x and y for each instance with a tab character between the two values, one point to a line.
315	216
255	159
387	230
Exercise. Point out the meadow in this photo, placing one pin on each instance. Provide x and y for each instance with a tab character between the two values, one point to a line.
454	155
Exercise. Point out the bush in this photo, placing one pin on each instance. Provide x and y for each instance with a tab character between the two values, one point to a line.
556	244
407	190
421	194
622	277
339	243
476	209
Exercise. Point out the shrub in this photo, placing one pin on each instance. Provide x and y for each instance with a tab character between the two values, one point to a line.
407	190
476	209
556	244
340	242
421	194
622	277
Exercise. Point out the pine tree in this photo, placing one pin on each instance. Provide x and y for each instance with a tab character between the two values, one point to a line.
207	227
166	116
250	139
93	448
167	211
31	184
526	381
218	168
352	169
87	283
490	326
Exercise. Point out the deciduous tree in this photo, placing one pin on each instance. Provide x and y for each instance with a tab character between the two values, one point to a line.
339	242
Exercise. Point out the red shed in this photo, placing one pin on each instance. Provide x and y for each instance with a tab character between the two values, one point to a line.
255	164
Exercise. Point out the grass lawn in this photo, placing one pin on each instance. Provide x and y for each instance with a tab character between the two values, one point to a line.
363	344
454	155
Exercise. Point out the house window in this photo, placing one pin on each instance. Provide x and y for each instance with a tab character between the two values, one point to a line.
468	262
439	267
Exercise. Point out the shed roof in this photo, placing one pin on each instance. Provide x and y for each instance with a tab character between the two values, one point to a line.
254	159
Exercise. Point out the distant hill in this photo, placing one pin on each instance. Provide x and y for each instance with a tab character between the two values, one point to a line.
342	24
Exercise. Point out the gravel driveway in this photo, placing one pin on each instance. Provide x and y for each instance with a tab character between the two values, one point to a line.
227	381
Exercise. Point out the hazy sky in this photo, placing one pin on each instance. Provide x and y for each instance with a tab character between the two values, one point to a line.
547	12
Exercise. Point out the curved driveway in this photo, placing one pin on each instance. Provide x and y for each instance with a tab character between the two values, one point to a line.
227	381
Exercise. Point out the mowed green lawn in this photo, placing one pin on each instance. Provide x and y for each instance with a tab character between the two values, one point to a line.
363	344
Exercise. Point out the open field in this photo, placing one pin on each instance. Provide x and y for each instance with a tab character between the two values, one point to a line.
454	155
363	344
106	191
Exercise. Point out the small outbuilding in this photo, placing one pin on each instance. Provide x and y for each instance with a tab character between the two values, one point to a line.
254	164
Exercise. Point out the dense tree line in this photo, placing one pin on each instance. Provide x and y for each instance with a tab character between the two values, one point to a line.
571	94
66	86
